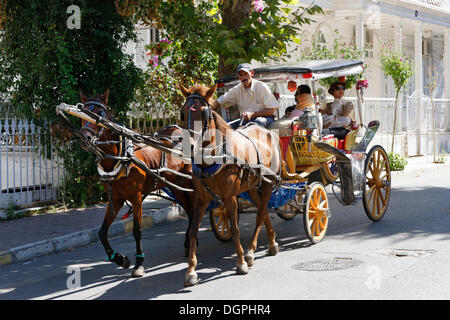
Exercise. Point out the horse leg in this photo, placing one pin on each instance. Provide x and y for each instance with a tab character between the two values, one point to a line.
199	209
256	197
103	234
138	270
185	202
231	206
262	200
266	193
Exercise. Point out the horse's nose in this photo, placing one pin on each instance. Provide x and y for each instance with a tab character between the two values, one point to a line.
87	134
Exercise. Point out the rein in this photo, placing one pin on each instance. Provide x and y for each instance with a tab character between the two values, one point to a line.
130	138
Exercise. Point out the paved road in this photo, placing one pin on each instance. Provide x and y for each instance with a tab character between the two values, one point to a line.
404	256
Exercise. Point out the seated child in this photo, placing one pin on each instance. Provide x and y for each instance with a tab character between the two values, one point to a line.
287	112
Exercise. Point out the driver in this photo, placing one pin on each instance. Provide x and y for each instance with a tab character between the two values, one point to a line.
255	100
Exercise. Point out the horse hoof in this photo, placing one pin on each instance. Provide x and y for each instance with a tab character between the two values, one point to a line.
190	279
242	268
250	259
273	250
138	272
126	263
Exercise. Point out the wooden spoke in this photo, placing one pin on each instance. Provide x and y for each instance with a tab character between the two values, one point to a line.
220	223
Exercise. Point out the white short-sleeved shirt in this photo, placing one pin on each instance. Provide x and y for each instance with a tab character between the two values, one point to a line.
253	99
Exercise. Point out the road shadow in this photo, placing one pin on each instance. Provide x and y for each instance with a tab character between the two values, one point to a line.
408	216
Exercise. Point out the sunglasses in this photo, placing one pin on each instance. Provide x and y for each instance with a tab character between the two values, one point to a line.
340	88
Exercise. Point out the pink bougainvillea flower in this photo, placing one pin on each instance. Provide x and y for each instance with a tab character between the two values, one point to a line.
257	5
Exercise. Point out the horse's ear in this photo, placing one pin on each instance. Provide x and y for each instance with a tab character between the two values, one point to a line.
183	89
104	97
210	92
82	96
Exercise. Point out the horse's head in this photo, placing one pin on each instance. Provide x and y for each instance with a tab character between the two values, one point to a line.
197	115
197	108
99	105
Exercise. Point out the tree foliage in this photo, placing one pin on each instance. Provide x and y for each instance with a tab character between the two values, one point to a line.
232	30
44	63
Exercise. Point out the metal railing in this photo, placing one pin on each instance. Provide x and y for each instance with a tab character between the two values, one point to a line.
29	173
150	118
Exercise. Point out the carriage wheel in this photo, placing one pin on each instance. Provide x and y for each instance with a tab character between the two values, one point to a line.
377	188
331	171
287	216
315	215
220	223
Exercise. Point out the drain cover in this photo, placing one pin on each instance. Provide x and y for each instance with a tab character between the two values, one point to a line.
406	252
327	264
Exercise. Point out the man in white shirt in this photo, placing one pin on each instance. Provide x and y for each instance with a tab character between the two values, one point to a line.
255	100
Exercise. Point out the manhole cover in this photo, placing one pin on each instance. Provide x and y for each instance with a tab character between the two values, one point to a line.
327	264
406	252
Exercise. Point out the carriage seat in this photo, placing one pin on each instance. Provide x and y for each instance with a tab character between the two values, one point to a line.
346	138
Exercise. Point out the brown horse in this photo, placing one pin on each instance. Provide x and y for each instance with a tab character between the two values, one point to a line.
253	145
131	182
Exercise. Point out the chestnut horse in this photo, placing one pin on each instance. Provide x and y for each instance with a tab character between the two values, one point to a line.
132	183
254	146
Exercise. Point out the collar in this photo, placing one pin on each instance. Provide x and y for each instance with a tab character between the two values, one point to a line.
206	172
251	89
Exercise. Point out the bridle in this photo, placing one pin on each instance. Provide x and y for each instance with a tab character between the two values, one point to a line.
207	114
90	105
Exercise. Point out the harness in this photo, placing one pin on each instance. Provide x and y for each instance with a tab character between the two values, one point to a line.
203	173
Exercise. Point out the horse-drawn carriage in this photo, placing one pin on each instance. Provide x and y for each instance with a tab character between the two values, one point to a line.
314	161
289	177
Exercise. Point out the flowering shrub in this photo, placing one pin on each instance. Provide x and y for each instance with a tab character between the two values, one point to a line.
394	64
257	5
400	69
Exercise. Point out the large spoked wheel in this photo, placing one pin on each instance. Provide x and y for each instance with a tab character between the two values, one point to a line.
377	188
315	215
219	221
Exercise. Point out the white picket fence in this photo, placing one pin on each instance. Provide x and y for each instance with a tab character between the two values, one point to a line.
28	173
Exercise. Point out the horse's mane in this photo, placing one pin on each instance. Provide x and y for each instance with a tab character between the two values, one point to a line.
221	124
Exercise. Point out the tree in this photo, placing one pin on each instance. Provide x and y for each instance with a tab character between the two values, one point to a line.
233	30
399	68
45	60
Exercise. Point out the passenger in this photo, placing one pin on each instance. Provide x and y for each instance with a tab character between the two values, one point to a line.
303	99
341	124
287	112
337	90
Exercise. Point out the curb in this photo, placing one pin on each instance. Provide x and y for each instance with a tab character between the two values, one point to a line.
85	237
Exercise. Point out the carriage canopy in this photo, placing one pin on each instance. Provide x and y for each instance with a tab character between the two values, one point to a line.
308	69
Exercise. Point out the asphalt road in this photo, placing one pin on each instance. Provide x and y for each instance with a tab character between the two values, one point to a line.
404	256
